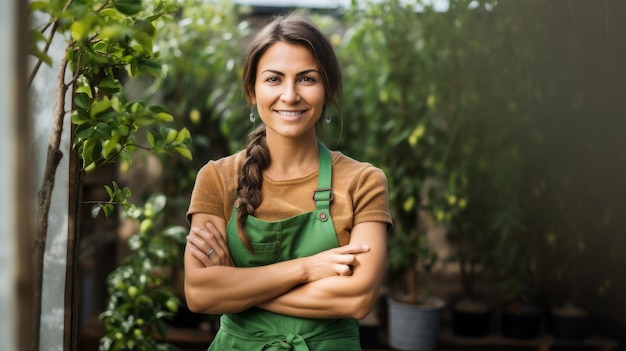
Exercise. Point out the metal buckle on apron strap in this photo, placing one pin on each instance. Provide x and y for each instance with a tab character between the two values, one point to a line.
319	190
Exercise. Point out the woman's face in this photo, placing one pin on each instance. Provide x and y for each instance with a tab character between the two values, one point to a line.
289	92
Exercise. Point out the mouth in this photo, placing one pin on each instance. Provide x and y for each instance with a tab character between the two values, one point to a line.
290	114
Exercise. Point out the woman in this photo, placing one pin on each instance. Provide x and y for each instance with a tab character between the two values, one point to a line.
288	239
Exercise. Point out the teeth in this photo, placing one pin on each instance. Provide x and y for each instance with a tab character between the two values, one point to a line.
289	113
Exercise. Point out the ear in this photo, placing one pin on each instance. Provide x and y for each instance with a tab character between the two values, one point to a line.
252	99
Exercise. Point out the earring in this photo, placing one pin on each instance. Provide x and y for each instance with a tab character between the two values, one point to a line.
328	118
252	118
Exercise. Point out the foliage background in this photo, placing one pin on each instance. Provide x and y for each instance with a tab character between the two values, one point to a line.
500	121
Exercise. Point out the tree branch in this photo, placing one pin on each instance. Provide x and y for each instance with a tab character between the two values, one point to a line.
31	78
45	195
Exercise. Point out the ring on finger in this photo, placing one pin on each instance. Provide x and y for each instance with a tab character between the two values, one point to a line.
210	252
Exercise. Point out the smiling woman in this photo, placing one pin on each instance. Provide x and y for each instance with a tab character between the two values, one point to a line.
288	92
297	233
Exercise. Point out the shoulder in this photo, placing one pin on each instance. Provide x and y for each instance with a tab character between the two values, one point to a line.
346	166
227	166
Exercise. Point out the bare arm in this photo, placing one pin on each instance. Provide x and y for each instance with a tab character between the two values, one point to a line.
213	285
350	296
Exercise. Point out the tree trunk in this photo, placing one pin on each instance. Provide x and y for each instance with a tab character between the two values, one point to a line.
45	195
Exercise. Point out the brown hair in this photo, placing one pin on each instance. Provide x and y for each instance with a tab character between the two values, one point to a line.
292	29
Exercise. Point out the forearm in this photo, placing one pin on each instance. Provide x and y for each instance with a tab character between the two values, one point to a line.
225	289
350	296
334	297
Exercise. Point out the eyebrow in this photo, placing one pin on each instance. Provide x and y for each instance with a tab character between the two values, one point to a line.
298	74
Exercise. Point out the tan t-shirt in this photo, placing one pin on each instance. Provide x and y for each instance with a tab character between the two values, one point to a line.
360	193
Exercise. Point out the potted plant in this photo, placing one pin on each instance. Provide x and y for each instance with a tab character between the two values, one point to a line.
472	311
568	319
520	319
485	227
414	314
393	80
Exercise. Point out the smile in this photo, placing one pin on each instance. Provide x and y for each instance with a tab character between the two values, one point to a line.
290	113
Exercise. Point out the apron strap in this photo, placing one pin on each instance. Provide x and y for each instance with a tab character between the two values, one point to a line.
323	195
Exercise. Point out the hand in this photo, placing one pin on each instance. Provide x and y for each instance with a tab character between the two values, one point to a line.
208	246
339	261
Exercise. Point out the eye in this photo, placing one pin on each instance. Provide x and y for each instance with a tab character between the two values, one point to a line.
272	80
307	79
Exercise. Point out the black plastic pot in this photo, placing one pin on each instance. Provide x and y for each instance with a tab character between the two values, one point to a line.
570	328
523	324
471	324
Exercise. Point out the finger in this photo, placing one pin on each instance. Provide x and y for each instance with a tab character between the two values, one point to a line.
201	256
344	270
204	240
217	236
352	248
210	240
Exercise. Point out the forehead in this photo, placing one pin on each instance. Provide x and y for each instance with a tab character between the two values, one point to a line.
287	57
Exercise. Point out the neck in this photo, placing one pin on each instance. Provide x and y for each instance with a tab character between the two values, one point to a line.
292	158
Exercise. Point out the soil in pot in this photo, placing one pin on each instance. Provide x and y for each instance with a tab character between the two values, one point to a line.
569	323
471	319
521	321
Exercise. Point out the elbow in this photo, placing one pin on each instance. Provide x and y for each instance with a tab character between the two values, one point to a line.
194	303
360	313
361	307
198	300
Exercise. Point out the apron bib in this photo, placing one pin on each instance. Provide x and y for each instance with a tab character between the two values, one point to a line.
298	236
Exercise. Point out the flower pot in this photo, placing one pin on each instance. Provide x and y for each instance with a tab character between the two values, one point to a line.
569	324
413	327
471	319
522	323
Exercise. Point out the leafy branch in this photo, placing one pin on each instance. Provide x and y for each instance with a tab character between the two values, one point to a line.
104	40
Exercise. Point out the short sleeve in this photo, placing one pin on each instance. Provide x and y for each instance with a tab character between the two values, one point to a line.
371	201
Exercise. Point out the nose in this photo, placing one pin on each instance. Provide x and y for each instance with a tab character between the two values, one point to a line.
290	94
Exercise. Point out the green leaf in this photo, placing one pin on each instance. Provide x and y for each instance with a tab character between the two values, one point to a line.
108	210
164	117
37	36
158	202
170	135
82	101
37	5
110	145
177	232
41	56
146	27
150	138
86	133
80	116
84	89
145	41
128	7
184	151
183	135
150	67
110	85
100	106
77	30
95	210
109	191
126	192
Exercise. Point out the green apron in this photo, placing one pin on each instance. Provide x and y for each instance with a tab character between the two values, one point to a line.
299	236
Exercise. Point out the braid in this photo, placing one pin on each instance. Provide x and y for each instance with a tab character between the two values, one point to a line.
250	181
